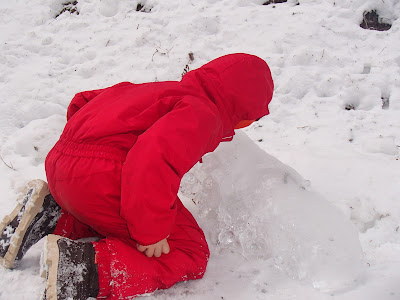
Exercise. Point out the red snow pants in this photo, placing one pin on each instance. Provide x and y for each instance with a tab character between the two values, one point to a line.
86	183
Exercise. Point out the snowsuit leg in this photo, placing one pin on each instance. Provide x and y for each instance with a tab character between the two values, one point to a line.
68	226
89	191
133	273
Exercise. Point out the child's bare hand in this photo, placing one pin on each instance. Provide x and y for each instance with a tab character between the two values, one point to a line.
156	249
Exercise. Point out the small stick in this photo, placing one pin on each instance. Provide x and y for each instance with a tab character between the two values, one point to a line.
11	167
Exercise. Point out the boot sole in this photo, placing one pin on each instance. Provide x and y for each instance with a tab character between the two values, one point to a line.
32	207
49	266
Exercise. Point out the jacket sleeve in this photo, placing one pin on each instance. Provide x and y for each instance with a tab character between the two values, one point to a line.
82	98
155	165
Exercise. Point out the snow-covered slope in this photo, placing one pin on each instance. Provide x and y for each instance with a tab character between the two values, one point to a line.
335	119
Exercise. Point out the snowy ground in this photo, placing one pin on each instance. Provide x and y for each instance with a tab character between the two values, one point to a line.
335	119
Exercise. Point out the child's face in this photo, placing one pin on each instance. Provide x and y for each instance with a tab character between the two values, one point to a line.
243	123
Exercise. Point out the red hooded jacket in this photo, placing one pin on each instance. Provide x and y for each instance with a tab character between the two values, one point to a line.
164	128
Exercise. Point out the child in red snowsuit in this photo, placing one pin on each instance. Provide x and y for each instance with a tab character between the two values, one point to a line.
117	167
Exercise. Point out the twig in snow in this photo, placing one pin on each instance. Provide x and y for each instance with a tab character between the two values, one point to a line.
382	50
11	167
163	52
187	67
152	58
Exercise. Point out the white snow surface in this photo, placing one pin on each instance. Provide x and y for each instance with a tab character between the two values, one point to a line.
303	204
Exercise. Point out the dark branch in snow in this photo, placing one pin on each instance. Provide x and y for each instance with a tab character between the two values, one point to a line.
187	67
372	21
274	1
69	6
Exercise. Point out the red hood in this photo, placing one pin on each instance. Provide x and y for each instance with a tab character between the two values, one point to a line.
240	85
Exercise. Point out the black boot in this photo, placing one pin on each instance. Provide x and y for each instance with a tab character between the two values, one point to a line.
34	217
70	269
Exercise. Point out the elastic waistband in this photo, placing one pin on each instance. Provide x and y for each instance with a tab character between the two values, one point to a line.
90	150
